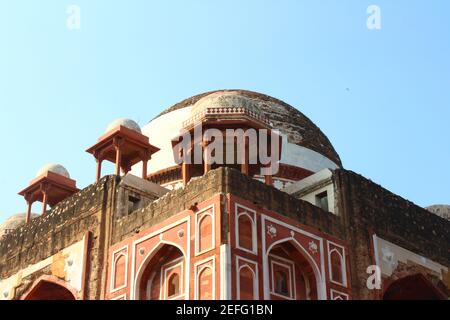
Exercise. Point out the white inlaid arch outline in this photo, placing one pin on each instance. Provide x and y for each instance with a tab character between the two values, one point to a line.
246	264
207	263
247	212
160	233
305	254
336	295
122	252
318	272
146	261
203	214
342	260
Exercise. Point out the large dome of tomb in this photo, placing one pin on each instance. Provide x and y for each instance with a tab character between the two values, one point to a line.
305	146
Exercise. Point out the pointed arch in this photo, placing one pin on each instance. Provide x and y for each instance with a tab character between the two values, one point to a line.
137	282
246	232
119	270
247	277
205	233
413	287
174	285
337	267
205	283
50	288
320	284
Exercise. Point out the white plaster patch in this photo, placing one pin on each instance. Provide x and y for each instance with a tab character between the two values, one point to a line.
74	265
73	268
388	256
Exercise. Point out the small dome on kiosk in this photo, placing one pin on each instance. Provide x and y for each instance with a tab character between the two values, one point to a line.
55	168
127	123
14	222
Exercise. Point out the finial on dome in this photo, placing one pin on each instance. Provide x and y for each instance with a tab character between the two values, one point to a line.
127	123
55	168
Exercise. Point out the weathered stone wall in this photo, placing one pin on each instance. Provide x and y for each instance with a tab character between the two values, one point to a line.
368	208
64	225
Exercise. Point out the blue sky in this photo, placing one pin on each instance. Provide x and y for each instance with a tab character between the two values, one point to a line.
59	88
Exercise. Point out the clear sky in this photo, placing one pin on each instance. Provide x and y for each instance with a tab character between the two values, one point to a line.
381	96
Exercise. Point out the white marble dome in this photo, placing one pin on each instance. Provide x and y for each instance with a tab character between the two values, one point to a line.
55	168
127	123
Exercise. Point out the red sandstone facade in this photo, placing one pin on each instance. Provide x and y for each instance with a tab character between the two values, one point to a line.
268	257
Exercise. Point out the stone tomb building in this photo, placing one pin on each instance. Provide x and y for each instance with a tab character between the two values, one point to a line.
161	230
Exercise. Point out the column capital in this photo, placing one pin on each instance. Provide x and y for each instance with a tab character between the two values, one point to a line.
45	187
126	167
117	142
144	155
28	198
98	155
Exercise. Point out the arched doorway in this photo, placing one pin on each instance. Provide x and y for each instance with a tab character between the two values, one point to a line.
291	275
163	277
48	290
414	287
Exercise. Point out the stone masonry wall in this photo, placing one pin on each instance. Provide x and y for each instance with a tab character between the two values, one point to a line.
368	208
